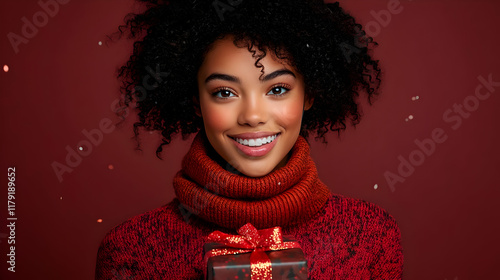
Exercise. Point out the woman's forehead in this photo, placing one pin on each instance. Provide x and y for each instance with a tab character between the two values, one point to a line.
225	55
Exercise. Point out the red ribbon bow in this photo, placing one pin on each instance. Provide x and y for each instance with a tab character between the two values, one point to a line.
252	241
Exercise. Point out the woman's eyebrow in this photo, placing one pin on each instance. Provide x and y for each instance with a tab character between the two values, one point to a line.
229	78
225	77
277	73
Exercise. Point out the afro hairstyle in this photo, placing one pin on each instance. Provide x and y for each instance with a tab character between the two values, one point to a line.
322	41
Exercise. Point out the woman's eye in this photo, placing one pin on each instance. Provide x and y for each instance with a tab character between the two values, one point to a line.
223	93
278	90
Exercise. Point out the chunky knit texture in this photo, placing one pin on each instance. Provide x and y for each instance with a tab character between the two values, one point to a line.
281	198
343	238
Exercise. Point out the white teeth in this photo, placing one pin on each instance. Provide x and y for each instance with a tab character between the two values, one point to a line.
257	141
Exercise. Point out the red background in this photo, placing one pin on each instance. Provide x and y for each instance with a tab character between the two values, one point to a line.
62	82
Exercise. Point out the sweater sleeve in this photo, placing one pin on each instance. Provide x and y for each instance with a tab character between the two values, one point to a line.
388	262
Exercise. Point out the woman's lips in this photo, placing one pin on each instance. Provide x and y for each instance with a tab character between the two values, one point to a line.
256	151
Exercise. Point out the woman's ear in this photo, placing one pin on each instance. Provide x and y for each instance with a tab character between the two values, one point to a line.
197	106
308	103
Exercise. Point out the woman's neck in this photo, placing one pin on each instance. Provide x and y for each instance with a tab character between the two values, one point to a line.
286	196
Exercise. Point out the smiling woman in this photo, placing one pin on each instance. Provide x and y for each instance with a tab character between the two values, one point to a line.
251	119
252	85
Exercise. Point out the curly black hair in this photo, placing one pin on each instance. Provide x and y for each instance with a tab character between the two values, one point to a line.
321	41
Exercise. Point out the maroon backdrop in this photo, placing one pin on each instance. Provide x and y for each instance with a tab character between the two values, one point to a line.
426	150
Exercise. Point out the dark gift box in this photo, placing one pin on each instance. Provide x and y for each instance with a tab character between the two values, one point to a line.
286	264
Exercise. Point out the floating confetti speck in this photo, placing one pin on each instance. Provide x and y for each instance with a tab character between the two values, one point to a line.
99	220
111	167
60	198
6	68
80	148
100	43
410	117
376	186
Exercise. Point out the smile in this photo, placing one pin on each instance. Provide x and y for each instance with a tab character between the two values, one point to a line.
257	142
255	147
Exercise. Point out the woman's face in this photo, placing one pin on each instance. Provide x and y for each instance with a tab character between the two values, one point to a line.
252	122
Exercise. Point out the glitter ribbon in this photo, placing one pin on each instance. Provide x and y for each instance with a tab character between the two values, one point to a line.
253	241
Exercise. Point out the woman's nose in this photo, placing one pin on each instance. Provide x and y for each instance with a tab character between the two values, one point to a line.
253	111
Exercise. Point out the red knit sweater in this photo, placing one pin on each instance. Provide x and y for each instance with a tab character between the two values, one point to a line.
342	238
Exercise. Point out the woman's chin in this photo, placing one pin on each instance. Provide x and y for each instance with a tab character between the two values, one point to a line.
256	169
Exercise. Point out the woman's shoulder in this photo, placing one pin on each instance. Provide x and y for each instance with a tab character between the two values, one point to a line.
127	233
148	242
354	214
162	219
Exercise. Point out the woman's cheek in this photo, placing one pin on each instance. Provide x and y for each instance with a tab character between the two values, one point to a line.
291	115
217	118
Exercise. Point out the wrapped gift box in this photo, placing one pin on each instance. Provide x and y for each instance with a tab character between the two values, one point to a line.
286	264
